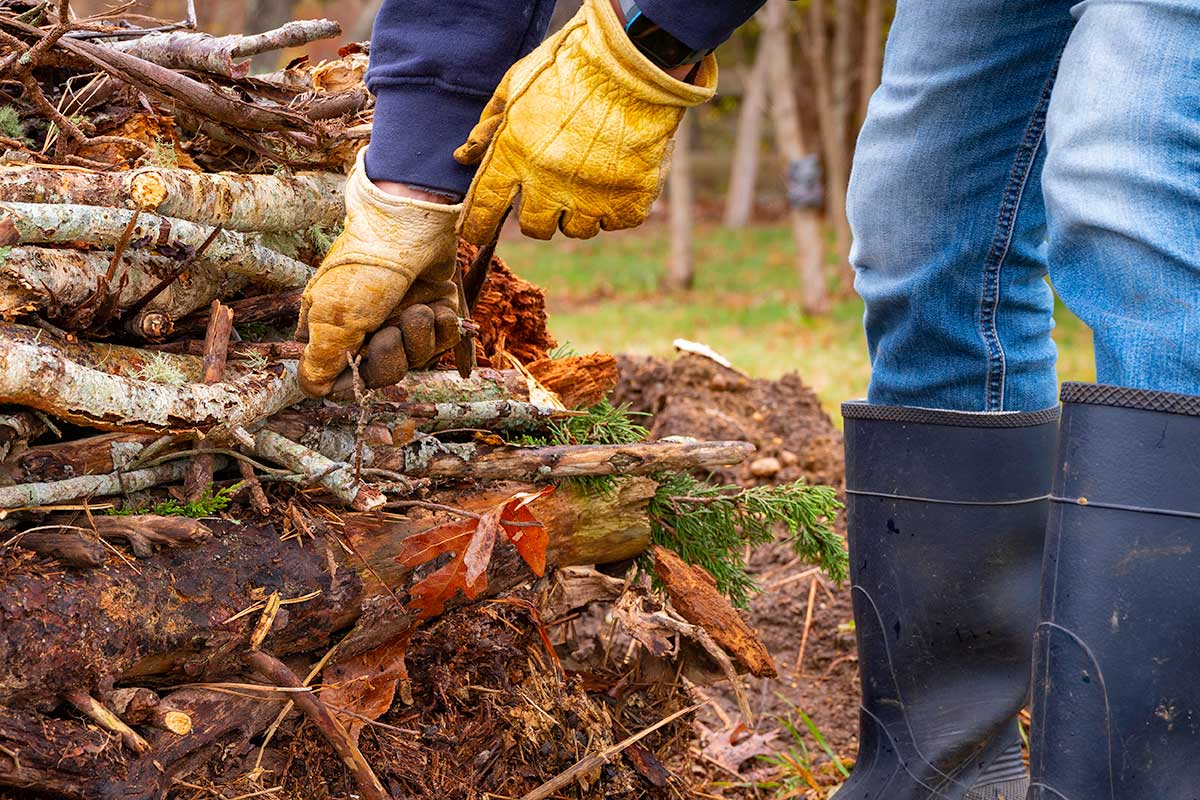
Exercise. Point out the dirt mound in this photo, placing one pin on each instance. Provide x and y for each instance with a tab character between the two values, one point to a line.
695	396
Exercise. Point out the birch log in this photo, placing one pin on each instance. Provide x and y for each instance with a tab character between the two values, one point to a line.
217	54
230	252
39	375
58	281
281	203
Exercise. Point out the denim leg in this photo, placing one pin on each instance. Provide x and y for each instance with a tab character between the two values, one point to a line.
946	207
1122	188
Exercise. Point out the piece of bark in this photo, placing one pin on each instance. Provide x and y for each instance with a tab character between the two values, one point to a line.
579	381
72	548
166	622
216	345
229	253
188	50
694	595
9	235
237	202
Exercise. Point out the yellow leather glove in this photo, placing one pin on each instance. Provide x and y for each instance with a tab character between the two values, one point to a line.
391	274
582	126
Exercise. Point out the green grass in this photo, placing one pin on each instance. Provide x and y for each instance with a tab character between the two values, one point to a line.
603	295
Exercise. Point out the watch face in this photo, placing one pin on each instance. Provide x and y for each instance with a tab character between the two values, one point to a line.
658	45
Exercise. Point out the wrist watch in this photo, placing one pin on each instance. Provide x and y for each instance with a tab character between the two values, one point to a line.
656	44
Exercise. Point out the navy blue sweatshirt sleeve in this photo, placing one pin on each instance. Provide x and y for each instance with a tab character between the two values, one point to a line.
435	63
700	25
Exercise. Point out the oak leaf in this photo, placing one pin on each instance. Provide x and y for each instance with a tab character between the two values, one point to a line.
472	541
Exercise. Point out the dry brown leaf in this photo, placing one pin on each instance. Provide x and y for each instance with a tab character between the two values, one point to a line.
365	684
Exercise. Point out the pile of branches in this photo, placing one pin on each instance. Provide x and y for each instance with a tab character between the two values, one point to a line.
189	545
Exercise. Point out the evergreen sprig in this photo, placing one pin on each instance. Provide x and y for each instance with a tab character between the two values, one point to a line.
603	423
712	525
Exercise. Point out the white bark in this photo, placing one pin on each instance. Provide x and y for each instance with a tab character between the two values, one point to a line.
743	173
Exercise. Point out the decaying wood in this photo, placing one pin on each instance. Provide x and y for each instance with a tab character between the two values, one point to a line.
142	706
281	307
276	672
217	54
166	622
561	461
39	374
694	595
229	252
236	202
337	477
72	548
579	381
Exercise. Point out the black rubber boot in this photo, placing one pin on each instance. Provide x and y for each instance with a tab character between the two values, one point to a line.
1116	683
947	516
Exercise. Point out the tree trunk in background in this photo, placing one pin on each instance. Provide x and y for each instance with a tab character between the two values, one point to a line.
785	118
266	15
872	55
830	99
743	172
680	266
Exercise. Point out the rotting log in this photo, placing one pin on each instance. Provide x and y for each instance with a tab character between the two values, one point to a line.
281	203
169	620
100	226
189	50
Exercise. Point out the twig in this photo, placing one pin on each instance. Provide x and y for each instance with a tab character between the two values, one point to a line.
808	615
95	711
589	763
274	670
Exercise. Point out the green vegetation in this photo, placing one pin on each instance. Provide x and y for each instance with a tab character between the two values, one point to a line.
603	295
11	125
795	773
206	506
159	368
163	154
712	525
603	423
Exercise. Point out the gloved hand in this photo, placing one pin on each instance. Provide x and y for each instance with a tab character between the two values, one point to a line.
391	274
582	126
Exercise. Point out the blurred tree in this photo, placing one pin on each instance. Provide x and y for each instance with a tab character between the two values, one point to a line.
680	198
743	169
872	55
785	115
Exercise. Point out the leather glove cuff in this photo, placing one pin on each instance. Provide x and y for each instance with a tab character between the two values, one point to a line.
627	66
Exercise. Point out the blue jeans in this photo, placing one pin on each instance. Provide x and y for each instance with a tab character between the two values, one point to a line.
1014	137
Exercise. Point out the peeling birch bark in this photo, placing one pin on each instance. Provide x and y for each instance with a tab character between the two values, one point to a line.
238	202
230	252
216	54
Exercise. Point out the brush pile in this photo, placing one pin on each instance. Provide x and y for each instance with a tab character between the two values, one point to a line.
207	580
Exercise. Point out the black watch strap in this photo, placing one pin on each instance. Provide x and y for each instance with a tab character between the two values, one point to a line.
656	44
